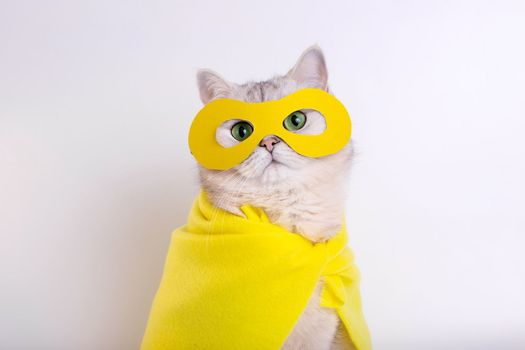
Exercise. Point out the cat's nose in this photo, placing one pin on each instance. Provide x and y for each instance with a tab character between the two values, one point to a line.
269	142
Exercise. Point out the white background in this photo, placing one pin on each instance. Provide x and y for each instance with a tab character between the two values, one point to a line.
95	102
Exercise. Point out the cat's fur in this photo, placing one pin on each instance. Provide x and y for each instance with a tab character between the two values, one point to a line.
304	195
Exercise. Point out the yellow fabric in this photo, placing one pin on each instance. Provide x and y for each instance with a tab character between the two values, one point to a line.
233	283
267	119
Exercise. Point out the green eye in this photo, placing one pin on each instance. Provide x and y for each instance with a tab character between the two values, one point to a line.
242	130
295	121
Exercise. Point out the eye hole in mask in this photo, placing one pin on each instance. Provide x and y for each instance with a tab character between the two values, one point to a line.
305	122
232	132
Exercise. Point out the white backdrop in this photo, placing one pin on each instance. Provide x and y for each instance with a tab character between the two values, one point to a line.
95	102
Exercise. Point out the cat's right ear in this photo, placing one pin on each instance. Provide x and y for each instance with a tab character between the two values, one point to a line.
212	86
310	70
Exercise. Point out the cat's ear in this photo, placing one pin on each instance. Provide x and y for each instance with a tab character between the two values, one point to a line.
310	70
212	86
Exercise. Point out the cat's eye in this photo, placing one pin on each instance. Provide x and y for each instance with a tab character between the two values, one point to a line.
242	130
295	121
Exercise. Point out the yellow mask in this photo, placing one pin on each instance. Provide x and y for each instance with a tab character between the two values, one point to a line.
267	118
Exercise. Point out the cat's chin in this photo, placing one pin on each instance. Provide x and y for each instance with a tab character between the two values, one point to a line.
274	166
274	172
267	171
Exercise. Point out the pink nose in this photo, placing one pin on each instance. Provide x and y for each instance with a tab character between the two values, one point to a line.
269	142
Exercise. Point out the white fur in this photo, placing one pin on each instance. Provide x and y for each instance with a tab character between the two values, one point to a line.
304	195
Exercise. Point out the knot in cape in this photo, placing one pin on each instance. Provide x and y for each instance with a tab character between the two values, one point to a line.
242	283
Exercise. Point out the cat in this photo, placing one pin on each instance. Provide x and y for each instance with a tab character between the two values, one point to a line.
304	195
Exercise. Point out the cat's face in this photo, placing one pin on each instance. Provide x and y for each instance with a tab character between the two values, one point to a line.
273	162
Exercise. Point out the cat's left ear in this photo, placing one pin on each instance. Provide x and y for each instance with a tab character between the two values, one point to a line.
310	70
211	86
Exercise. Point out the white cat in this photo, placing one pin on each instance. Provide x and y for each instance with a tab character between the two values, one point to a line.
304	195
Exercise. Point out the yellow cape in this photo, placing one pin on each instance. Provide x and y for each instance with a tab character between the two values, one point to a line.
238	283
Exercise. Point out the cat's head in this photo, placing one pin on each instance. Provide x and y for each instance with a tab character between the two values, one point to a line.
272	164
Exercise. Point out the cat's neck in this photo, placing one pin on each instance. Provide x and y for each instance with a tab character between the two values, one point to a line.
314	210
